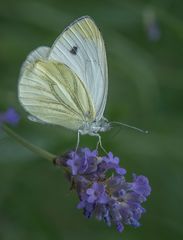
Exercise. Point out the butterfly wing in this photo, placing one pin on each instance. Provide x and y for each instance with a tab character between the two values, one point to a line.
37	54
81	47
52	93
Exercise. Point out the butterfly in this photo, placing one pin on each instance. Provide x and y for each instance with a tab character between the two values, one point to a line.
67	84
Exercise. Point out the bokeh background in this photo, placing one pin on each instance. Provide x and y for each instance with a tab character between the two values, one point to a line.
144	42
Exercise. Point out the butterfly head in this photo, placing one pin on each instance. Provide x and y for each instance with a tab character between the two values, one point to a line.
104	125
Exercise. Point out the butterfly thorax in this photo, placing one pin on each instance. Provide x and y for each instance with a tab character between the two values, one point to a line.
94	127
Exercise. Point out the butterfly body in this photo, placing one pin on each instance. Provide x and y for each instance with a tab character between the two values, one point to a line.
94	127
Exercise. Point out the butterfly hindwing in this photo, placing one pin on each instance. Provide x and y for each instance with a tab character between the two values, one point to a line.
54	94
81	47
37	54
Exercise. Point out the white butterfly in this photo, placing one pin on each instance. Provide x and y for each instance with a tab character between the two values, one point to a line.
67	84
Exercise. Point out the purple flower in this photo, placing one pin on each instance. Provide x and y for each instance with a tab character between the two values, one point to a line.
10	116
111	159
97	194
153	31
112	162
106	194
77	164
151	25
141	185
82	161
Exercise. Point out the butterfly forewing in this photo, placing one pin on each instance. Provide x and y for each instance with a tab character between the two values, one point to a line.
54	94
81	47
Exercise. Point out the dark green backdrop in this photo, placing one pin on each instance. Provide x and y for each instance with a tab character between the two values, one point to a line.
145	90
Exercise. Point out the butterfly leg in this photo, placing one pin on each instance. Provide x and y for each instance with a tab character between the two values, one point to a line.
78	140
99	143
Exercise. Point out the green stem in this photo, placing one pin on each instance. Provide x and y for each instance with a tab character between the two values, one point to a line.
39	151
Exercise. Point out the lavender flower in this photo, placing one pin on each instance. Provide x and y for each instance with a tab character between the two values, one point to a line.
151	25
10	116
103	190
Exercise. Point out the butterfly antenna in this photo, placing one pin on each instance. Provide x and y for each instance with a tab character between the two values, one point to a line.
129	126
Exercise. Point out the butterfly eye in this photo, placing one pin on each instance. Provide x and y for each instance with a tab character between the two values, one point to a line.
74	50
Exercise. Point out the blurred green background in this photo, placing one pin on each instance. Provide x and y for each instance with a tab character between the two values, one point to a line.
144	42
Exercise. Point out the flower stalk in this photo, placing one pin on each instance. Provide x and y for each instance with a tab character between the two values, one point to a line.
35	149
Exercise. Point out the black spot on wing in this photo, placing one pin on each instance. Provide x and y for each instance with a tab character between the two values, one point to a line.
74	50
